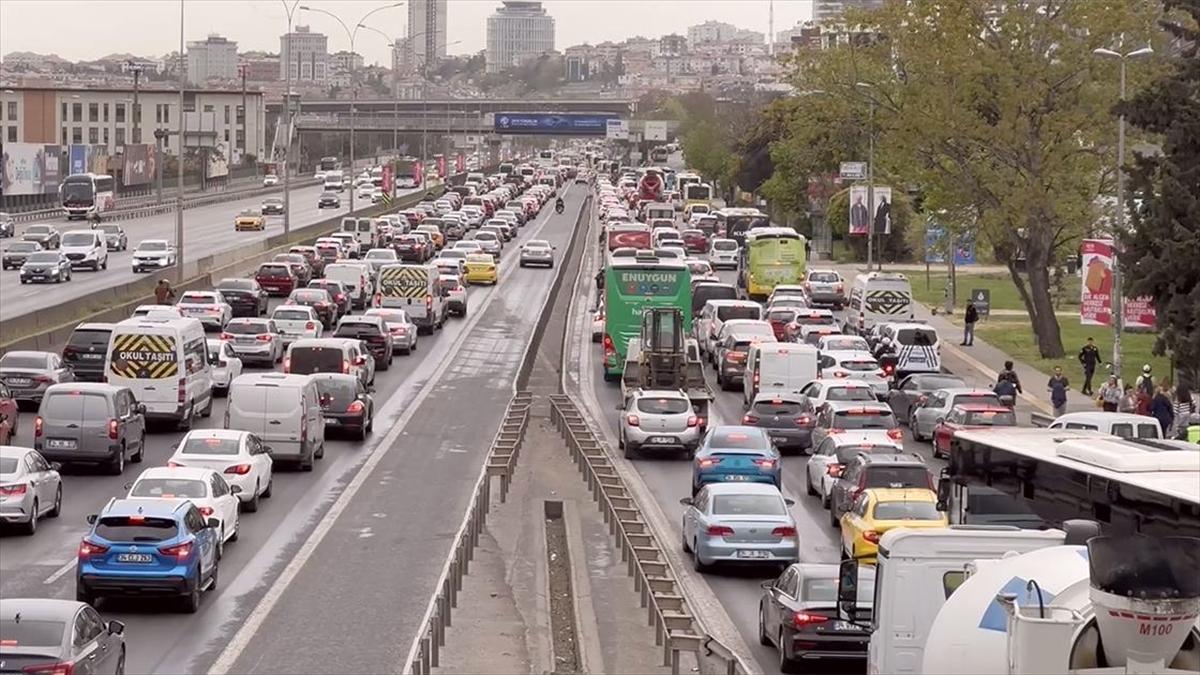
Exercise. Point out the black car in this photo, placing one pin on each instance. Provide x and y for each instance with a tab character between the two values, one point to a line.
85	351
58	636
321	302
875	470
373	332
341	297
45	235
329	199
345	404
15	255
273	206
410	248
798	615
46	266
114	236
245	296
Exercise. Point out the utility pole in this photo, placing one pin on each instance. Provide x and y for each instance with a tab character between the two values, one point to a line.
179	177
243	68
871	191
287	116
136	68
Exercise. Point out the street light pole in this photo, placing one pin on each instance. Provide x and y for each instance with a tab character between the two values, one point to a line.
287	118
179	164
1118	291
395	93
870	180
137	116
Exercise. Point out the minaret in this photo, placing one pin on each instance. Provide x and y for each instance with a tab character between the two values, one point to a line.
771	27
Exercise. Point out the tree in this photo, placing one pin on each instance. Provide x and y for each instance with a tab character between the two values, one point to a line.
1161	256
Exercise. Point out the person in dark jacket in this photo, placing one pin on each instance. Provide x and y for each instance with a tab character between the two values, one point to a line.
1089	358
969	321
1161	410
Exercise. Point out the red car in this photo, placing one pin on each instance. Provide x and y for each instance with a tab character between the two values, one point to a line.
276	278
299	265
780	319
8	415
969	416
695	241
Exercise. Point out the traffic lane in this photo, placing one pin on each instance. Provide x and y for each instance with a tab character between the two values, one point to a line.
396	531
208	231
161	640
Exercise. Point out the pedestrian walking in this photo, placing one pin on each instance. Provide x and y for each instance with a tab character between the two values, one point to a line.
1145	381
1110	394
1058	386
600	287
163	293
969	320
1089	358
1129	400
1182	408
1161	410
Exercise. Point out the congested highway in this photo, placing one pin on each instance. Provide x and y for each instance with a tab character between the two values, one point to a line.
435	411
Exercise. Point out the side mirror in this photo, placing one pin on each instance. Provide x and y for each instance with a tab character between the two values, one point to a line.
235	489
789	502
129	485
213	523
686	501
141	408
847	589
91	519
116	627
57	466
943	494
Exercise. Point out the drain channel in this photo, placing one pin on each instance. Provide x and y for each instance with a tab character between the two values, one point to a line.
563	631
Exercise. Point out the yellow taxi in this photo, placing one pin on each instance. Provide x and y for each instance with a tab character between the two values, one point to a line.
439	239
877	510
481	269
250	219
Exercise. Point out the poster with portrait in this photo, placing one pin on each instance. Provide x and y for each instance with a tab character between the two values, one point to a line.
878	216
21	168
139	164
51	169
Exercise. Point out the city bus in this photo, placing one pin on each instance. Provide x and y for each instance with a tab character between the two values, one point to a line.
632	285
1032	478
697	193
771	256
87	195
684	179
329	164
736	222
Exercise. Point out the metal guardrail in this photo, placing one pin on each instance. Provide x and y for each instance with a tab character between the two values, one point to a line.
1042	420
506	446
675	628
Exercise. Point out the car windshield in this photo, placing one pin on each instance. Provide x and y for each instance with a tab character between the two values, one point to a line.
899	510
748	505
246	327
664	406
152	246
78	239
778	407
136	528
43	257
31	634
746	439
282	314
868	418
23	361
169	488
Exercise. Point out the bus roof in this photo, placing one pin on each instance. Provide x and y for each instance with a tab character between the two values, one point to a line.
740	211
772	233
1149	464
643	264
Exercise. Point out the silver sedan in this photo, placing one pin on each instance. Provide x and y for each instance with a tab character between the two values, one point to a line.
30	487
29	374
403	330
537	252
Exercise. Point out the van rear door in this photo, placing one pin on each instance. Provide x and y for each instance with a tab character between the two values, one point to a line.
246	405
281	414
147	363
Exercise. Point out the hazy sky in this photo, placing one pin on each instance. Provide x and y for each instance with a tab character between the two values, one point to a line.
89	29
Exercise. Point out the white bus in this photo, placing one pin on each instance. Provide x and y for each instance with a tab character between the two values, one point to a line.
87	195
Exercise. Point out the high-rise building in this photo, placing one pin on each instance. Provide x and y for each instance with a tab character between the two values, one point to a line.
711	31
426	32
306	54
519	30
214	58
825	11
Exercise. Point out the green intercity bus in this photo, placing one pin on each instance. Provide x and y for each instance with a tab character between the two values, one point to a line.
632	285
772	256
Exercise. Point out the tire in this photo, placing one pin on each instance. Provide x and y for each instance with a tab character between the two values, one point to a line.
141	453
362	433
833	519
808	484
631	450
684	542
763	639
212	579
251	506
236	533
207	412
29	529
104	265
189	418
786	665
116	467
306	464
57	510
266	494
190	603
697	564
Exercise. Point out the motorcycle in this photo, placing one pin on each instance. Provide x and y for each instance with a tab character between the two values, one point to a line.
559	207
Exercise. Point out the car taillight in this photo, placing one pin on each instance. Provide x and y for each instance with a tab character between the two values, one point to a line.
804	421
871	536
834	470
693	421
841	374
356	408
802	619
895	434
181	392
429	303
719	531
88	549
265	337
238	469
632	420
113	429
784	532
37	426
226	336
749	419
765	463
12	490
60	668
339	297
309	325
179	551
609	348
708	462
735	356
206	511
345	365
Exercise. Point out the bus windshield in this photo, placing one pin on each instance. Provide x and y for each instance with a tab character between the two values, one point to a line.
329	163
697	192
78	190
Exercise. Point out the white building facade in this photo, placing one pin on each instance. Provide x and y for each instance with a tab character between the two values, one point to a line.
306	54
518	31
426	36
215	58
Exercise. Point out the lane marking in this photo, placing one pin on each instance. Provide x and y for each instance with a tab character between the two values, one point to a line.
60	572
255	619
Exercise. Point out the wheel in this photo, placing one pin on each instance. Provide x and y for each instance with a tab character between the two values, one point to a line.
251	505
631	451
54	512
104	265
191	601
698	564
833	519
29	529
116	467
762	627
266	494
141	453
188	419
786	665
684	542
362	432
808	484
306	464
236	533
212	578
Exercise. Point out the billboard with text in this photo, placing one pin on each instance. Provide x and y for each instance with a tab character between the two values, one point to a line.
1095	302
560	124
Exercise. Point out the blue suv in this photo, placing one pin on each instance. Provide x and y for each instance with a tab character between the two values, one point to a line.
148	547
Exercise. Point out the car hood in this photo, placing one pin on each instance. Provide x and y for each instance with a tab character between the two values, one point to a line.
6	371
151	254
39	265
76	249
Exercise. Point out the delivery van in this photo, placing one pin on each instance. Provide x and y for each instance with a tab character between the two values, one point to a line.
284	411
414	289
164	361
878	297
778	367
355	278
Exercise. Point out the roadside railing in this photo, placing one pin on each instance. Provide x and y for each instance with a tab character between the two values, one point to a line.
1043	420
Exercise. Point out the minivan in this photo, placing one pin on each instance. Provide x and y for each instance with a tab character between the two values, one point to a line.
283	411
355	278
85	248
878	297
164	362
330	355
90	423
778	367
85	350
414	289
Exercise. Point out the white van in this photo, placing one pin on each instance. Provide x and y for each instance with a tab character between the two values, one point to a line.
365	230
715	313
85	248
414	289
164	362
1125	425
333	181
917	347
284	411
783	367
877	297
355	278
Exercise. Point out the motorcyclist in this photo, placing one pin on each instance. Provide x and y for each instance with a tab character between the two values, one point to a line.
1011	376
884	347
559	205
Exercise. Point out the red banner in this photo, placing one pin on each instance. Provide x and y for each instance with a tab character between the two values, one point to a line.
460	163
441	165
1096	289
389	181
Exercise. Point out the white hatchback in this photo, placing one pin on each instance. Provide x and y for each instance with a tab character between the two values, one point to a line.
239	456
296	322
204	487
226	364
207	307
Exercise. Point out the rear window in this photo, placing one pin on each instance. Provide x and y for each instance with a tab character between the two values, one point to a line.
8	464
848	452
89	338
784	315
210	446
748	439
825	590
245	328
906	511
339	391
316	295
235	284
849	343
1125	430
137	528
291	315
169	488
866	419
778	408
274	271
738	312
896	477
991	418
356	329
30	633
921	337
309	360
849	394
859	365
748	505
982	398
22	361
664	406
823	277
195	299
75	406
934	383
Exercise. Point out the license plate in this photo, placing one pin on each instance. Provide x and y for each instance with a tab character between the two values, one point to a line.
135	558
779	439
332	421
757	555
91	357
246	341
737	476
844	626
61	443
662	440
19	381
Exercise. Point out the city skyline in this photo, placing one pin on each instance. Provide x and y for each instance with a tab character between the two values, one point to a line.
26	25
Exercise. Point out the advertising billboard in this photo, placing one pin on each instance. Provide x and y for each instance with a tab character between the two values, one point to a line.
616	129
139	164
560	124
21	165
655	130
861	216
78	159
218	160
935	246
1096	288
51	168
